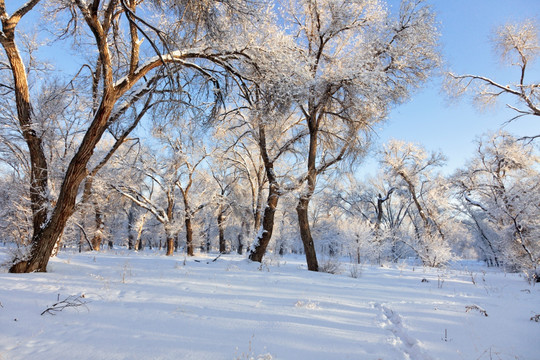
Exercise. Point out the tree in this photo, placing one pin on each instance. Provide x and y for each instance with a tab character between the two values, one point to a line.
242	153
413	168
360	61
162	175
518	45
226	180
499	190
117	34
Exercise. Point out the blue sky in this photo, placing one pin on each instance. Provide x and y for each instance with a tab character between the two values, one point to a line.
429	118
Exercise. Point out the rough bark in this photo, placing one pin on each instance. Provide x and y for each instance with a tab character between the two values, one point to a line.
38	162
264	236
305	234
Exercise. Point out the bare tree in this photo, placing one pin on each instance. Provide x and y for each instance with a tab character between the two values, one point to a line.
518	45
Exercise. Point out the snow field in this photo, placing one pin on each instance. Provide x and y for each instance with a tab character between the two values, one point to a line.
148	306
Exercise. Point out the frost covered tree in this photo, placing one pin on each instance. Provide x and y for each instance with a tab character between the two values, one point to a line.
518	45
413	171
361	60
129	48
160	201
346	64
500	192
242	153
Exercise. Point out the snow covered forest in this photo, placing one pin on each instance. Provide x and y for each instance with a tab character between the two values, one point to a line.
237	126
216	145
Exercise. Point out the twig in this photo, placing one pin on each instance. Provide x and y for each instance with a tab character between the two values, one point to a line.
70	301
476	307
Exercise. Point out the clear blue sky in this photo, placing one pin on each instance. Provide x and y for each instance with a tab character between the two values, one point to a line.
429	118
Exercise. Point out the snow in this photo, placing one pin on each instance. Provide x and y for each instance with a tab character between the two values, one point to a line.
149	306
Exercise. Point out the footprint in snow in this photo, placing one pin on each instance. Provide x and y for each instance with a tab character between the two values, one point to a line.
408	345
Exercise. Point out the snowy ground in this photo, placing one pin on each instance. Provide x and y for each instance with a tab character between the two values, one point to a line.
147	306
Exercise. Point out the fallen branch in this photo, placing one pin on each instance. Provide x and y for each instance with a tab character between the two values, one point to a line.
70	301
208	262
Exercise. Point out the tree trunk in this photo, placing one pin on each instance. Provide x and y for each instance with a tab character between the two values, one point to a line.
221	230
97	239
264	236
131	221
240	248
189	235
170	245
38	162
258	212
303	203
305	234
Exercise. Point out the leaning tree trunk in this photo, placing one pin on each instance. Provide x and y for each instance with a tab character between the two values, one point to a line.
45	238
38	162
264	236
47	229
258	249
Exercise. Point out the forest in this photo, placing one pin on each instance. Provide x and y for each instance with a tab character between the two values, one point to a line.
237	126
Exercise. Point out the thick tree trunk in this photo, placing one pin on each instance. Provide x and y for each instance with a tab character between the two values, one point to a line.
38	162
305	234
170	245
264	236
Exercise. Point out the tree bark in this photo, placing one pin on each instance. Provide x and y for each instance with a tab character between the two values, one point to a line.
38	161
99	227
264	236
305	234
303	204
170	217
170	245
189	234
221	230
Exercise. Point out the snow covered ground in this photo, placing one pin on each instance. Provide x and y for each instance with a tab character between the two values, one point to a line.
148	306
